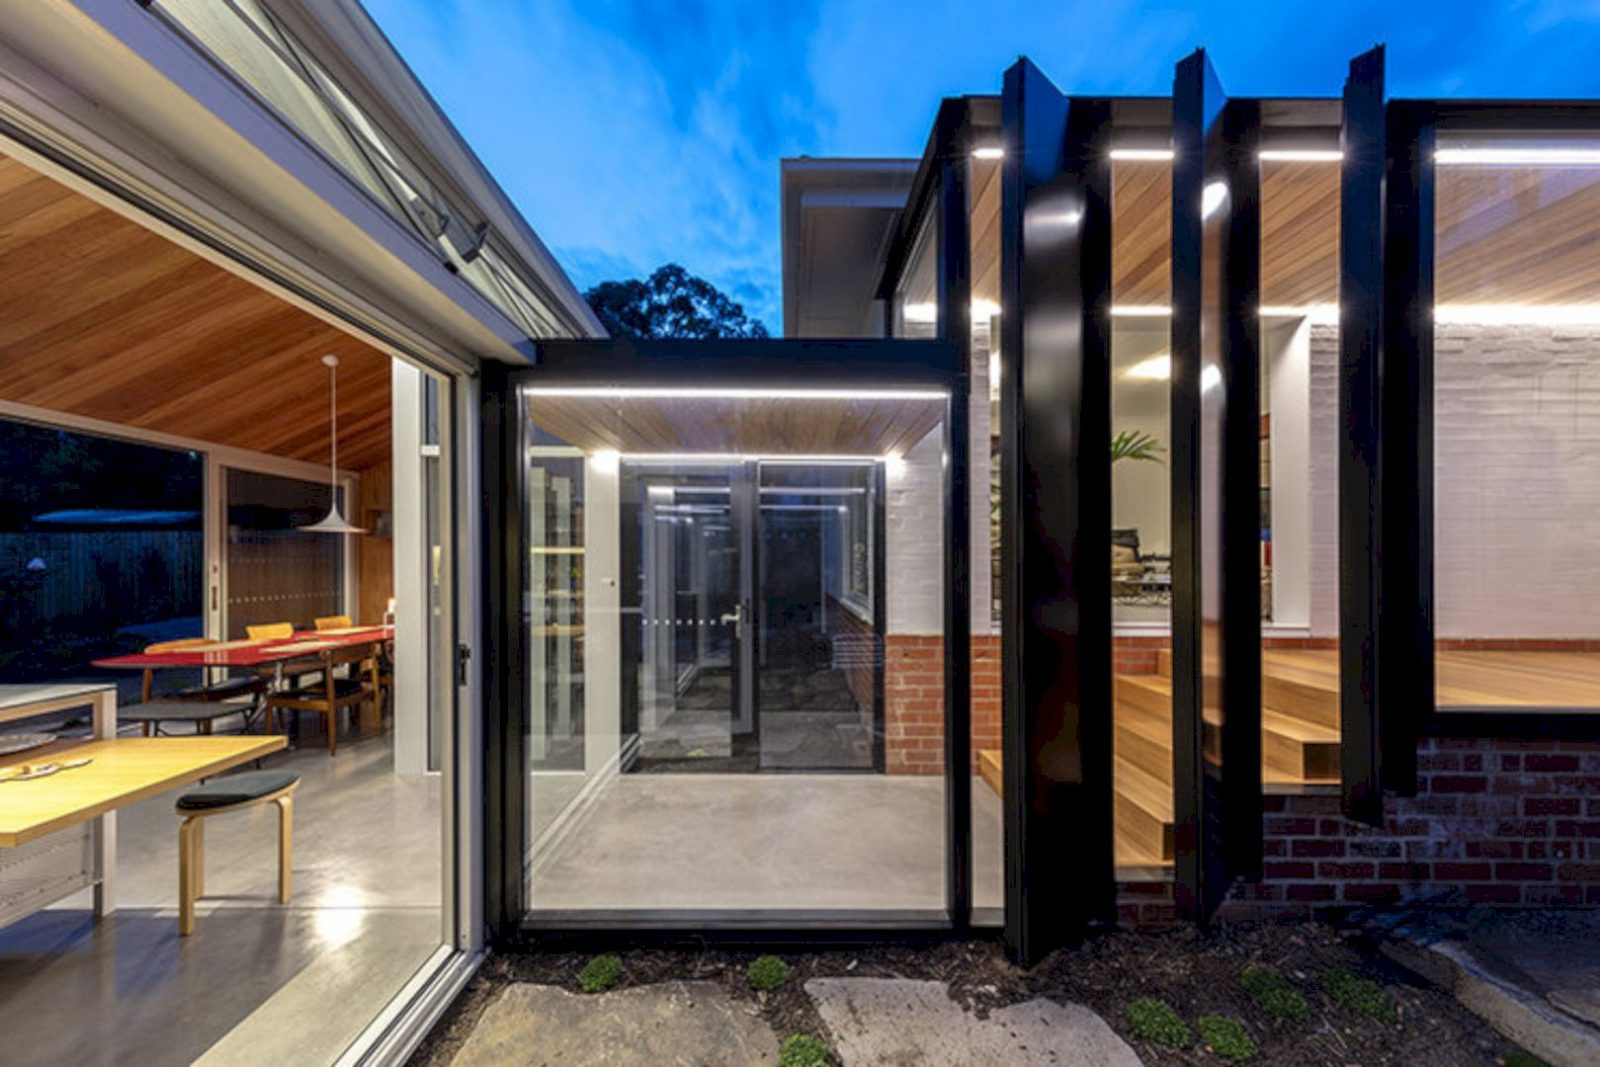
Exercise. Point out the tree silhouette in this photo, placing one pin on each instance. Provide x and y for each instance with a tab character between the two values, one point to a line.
671	303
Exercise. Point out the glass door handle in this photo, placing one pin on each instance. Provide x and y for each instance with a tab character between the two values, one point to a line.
736	616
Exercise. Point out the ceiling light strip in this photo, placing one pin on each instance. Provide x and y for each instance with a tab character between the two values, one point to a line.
627	392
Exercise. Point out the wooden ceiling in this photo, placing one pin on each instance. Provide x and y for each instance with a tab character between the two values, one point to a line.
772	426
1506	235
100	317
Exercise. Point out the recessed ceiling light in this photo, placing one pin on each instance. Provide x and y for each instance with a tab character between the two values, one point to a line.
1530	157
989	152
1147	155
1140	311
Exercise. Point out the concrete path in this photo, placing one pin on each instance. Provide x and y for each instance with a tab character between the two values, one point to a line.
882	1022
675	1024
1533	975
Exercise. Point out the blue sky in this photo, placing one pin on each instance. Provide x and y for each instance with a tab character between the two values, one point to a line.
634	134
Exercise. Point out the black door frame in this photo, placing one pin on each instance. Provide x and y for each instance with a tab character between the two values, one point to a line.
843	364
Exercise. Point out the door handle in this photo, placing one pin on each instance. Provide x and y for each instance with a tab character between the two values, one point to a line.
736	616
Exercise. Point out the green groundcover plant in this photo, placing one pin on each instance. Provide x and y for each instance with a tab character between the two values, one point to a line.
1361	995
1156	1022
1226	1037
1275	994
803	1050
600	974
767	972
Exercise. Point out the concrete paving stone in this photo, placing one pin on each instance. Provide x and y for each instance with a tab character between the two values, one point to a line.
894	1022
674	1024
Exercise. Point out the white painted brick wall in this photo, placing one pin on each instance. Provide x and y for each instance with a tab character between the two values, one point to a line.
914	553
1517	481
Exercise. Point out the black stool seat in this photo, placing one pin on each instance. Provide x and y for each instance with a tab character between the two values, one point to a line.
179	711
236	789
236	686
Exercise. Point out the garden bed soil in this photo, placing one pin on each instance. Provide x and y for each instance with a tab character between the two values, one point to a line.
1195	973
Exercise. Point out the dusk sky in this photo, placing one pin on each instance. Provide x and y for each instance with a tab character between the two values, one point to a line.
634	134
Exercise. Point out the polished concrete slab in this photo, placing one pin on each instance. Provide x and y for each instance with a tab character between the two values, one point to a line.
274	984
794	842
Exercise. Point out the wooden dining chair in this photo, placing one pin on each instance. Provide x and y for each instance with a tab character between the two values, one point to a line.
333	693
333	622
270	631
210	690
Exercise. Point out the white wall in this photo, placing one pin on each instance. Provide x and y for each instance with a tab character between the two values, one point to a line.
1287	350
1141	492
602	614
410	693
914	548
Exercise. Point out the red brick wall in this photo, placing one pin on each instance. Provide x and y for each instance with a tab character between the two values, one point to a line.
1493	822
859	676
913	701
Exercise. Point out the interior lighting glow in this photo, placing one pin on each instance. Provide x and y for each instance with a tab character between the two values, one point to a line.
1300	155
1517	314
989	152
1527	157
1212	197
719	393
1154	369
1140	311
1145	155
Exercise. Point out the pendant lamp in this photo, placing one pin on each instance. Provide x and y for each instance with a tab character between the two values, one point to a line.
334	521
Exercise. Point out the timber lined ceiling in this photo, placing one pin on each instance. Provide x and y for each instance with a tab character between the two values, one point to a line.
751	426
1505	234
100	317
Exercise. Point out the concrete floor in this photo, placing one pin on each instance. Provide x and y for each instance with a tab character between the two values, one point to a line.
257	982
740	842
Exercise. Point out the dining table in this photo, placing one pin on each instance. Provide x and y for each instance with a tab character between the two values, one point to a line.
247	653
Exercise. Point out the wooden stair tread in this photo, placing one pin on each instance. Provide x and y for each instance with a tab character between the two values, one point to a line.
990	769
1143	789
1297	729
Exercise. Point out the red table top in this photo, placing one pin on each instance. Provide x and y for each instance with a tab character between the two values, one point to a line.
251	653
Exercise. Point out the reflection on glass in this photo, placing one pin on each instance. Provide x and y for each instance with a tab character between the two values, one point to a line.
748	714
1141	524
1516	413
277	572
1300	435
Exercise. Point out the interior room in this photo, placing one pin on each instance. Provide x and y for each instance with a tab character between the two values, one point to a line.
735	650
262	611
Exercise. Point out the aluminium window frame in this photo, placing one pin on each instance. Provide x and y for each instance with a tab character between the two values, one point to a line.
880	364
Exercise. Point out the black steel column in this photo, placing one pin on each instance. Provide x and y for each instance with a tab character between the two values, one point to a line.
954	296
1405	643
1361	335
1056	513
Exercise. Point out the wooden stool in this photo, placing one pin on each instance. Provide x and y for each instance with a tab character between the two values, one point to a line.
232	793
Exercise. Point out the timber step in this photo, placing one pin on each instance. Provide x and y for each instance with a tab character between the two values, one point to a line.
1298	684
989	769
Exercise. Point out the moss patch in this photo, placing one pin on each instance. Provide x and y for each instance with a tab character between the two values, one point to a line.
1361	995
1156	1022
1523	1059
803	1050
1275	994
767	972
600	974
1226	1037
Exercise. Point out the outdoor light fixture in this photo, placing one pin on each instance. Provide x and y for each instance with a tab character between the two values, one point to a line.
334	521
1140	311
775	393
1145	155
1300	155
989	152
1528	157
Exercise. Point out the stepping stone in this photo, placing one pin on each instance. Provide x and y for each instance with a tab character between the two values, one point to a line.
666	1025
889	1022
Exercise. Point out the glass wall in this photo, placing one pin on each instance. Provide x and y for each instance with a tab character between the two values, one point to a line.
1301	434
101	551
1516	412
735	637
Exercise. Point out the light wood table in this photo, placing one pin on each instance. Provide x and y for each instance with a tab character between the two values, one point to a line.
23	879
36	813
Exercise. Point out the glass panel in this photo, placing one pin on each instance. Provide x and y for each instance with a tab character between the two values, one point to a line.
1301	432
1516	410
988	830
738	722
916	312
819	650
1141	503
101	553
276	572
